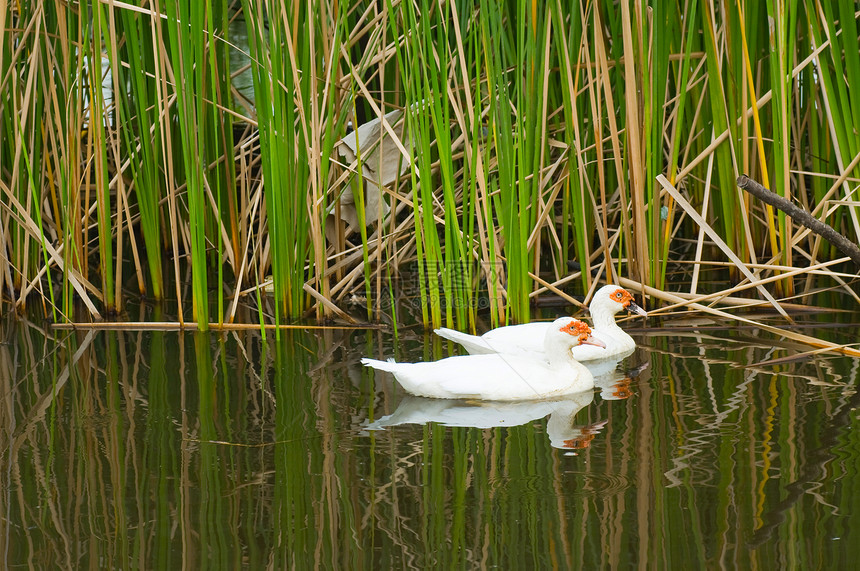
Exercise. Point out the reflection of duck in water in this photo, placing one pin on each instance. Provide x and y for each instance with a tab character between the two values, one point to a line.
526	338
502	377
482	414
585	436
614	383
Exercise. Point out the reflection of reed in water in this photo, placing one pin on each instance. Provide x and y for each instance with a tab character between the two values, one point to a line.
748	410
174	450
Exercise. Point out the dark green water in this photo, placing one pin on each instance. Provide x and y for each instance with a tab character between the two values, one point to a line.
167	450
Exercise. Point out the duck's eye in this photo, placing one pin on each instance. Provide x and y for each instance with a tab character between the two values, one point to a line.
618	295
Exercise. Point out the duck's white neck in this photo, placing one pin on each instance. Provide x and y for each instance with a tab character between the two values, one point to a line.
603	318
557	347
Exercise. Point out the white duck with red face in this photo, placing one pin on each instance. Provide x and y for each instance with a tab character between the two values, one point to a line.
503	377
526	339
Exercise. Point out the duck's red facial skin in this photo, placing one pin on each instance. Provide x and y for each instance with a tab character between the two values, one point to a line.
577	329
622	296
626	300
582	331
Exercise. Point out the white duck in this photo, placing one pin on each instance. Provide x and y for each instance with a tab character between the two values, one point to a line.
526	338
502	377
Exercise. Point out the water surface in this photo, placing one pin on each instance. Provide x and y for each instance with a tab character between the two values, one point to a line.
160	450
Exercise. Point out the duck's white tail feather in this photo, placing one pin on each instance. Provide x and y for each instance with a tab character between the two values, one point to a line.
472	343
390	365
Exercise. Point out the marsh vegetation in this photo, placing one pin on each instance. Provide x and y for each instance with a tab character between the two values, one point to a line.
497	153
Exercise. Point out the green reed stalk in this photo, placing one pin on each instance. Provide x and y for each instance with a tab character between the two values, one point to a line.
412	57
98	135
719	115
577	211
839	70
530	146
114	142
604	113
264	94
747	47
286	71
75	141
456	274
663	37
782	37
680	127
218	134
64	108
143	137
634	192
523	188
506	198
187	35
35	195
328	117
360	207
481	158
819	147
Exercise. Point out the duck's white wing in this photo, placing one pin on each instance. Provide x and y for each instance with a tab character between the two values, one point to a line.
527	338
472	343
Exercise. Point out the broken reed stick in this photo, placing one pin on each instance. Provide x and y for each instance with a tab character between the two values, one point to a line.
192	326
801	216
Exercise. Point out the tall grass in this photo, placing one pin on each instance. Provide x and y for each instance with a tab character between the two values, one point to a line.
534	134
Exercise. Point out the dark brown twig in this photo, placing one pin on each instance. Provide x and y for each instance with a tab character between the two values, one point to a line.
802	217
